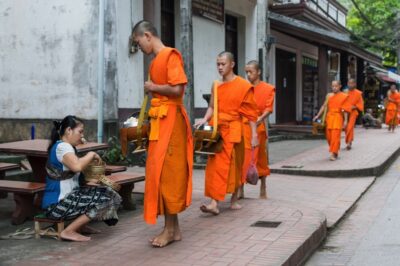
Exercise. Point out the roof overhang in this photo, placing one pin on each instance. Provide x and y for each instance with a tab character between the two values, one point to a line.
315	34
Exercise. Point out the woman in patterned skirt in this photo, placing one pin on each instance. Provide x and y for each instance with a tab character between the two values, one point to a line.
64	198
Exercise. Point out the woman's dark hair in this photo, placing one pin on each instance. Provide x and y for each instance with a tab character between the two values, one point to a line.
59	128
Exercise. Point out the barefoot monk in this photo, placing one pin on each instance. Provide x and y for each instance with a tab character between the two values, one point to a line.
264	95
353	105
235	101
169	162
334	117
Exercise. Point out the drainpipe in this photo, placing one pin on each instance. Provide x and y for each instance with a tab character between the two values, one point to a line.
100	74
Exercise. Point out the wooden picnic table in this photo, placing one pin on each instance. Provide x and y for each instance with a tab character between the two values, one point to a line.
36	153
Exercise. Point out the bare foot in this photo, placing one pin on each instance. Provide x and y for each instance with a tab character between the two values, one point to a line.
209	209
89	230
74	236
235	206
163	239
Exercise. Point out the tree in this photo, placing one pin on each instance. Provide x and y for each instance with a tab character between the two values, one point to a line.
374	26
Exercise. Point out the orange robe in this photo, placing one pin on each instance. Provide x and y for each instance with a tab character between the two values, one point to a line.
392	108
354	99
334	120
264	95
168	187
224	169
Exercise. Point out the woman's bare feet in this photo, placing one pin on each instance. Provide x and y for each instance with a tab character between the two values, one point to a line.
74	236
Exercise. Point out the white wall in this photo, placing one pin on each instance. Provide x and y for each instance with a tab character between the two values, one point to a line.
208	41
129	67
48	59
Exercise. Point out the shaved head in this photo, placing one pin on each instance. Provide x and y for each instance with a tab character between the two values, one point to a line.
228	55
144	26
338	82
255	64
352	80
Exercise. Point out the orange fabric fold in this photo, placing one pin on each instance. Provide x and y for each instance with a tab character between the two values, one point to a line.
391	118
334	120
264	95
224	169
354	99
169	164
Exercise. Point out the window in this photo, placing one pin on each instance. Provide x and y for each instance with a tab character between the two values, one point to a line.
323	4
332	12
167	23
342	18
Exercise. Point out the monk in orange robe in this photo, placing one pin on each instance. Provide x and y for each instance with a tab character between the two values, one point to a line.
392	108
235	101
334	117
353	105
169	162
264	95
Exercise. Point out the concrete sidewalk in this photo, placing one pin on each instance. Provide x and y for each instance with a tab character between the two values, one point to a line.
373	151
303	205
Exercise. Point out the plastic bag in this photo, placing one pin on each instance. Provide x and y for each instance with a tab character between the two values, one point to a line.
252	173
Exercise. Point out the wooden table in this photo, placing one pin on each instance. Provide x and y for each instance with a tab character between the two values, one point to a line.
36	153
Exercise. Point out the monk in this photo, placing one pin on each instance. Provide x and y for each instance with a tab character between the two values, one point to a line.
392	107
353	105
334	117
235	101
169	162
264	95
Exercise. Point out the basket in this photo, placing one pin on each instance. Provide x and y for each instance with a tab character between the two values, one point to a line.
97	171
94	171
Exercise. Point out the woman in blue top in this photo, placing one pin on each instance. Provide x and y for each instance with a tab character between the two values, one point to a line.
64	198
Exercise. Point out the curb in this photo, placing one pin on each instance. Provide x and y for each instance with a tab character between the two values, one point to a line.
371	171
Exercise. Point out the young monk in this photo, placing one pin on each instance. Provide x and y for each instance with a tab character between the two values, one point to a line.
352	106
334	117
392	107
264	95
169	162
235	101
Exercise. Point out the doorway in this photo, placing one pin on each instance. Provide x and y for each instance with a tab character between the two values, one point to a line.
231	38
285	87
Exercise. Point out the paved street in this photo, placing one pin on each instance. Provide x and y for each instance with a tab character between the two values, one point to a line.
369	235
306	206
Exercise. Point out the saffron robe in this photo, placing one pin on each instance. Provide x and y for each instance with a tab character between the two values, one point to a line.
392	108
354	99
169	164
224	169
264	95
334	120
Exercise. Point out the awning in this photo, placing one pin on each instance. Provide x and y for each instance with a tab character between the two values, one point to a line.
316	34
385	75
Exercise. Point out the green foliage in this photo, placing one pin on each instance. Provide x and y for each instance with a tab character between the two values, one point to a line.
113	155
374	26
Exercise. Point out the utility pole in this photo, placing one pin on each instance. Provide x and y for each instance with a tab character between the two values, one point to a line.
100	73
186	40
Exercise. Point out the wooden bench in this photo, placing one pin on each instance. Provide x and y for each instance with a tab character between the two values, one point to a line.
127	181
4	167
111	169
48	231
24	192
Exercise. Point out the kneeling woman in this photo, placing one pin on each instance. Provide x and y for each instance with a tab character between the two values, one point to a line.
63	196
